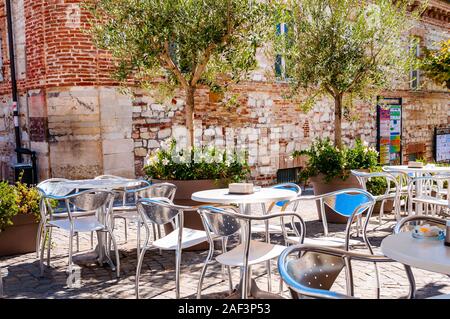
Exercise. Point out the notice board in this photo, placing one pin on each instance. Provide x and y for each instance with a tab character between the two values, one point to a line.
442	145
389	130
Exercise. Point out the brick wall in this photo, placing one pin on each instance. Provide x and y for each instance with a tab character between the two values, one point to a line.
75	118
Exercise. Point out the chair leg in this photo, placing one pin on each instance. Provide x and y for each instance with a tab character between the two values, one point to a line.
92	240
202	274
380	216
138	239
177	274
71	234
125	224
244	283
49	244
1	284
38	238
42	249
116	250
230	279
138	270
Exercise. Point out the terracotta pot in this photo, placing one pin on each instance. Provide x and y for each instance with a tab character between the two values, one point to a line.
183	197
322	187
19	238
388	207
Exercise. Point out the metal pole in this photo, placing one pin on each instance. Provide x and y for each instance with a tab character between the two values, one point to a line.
12	64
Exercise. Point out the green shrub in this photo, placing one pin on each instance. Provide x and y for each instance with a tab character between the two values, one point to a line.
333	162
197	164
17	199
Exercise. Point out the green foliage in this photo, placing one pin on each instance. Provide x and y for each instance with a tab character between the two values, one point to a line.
8	205
377	185
436	64
345	49
17	199
196	164
186	41
331	161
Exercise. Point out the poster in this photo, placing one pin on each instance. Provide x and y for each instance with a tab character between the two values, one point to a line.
442	145
389	120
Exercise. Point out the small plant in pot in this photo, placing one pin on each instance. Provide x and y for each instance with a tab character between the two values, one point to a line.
193	170
19	218
328	168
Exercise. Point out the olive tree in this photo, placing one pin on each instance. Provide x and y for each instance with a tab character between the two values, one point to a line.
344	49
168	44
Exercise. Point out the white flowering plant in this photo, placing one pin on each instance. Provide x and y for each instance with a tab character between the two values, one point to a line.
334	162
170	163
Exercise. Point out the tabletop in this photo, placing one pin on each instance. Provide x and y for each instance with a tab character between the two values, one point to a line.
430	168
65	187
426	254
264	195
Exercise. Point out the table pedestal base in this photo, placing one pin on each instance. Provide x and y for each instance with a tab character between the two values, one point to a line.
254	292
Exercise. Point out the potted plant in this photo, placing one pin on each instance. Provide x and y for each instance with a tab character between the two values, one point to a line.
19	218
328	168
194	170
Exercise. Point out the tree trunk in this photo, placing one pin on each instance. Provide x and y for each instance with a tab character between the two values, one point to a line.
338	120
189	109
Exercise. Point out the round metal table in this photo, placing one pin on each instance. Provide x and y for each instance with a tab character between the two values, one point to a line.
260	196
426	254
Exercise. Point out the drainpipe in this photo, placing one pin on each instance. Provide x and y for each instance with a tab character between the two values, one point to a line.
12	64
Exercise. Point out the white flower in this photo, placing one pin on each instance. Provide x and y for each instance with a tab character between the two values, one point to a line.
165	161
365	143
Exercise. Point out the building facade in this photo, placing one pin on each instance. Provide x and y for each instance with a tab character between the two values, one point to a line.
81	125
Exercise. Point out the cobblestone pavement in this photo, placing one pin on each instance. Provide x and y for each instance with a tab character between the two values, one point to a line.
22	280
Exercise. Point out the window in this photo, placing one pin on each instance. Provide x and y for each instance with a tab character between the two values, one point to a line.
280	61
415	73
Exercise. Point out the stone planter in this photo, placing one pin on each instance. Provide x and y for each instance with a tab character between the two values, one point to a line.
183	197
322	187
19	238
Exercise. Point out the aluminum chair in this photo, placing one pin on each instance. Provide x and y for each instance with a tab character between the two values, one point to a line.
128	211
403	179
352	203
225	222
51	187
389	194
315	269
433	195
162	211
405	223
87	201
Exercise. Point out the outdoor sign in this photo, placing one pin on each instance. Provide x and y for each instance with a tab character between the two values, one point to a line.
442	145
389	130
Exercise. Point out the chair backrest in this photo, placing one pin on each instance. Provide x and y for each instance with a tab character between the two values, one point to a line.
431	186
220	221
315	269
287	186
91	199
349	202
159	210
159	190
108	177
415	219
227	221
364	177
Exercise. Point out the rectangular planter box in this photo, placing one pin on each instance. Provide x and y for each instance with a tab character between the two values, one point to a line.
19	238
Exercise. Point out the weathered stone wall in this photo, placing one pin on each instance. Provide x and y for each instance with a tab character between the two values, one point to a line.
74	117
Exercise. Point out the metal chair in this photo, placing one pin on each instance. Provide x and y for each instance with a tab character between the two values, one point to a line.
51	187
315	269
161	211
225	222
404	223
352	203
403	179
430	192
364	177
87	201
128	211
